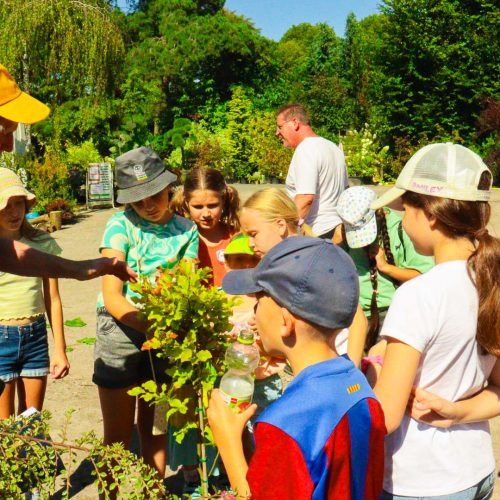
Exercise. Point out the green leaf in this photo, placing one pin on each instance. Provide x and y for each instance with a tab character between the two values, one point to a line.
150	386
87	341
204	355
186	355
136	391
75	322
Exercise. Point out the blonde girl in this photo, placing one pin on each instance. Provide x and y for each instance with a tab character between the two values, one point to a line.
213	206
270	216
442	328
24	302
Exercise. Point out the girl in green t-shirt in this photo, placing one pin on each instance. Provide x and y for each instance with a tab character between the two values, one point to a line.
382	252
146	235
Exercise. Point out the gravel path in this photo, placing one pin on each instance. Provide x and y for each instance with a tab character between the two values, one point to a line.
81	241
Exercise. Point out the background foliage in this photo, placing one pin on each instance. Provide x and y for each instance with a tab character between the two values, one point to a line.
418	71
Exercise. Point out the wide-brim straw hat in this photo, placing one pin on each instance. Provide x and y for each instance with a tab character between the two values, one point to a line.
11	185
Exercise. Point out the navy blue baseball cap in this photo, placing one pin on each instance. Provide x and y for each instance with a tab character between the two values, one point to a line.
311	277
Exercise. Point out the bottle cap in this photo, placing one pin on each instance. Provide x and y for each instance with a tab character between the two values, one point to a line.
246	337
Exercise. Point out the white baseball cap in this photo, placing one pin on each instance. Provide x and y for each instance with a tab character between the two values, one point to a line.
359	219
444	170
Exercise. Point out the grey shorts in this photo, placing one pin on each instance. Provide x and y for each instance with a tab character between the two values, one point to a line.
118	359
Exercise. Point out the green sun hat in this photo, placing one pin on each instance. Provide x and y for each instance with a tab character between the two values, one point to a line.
239	244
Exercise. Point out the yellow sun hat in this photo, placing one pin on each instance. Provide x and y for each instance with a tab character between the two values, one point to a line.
16	105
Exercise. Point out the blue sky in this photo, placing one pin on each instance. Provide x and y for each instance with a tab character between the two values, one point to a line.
274	17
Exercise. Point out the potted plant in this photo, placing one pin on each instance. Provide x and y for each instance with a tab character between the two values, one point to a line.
366	160
188	325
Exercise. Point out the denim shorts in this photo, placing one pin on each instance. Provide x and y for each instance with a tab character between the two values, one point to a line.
483	490
24	350
118	359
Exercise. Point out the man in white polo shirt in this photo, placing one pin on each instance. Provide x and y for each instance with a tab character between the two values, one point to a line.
317	174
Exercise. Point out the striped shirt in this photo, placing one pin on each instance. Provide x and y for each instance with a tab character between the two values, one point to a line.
148	246
22	296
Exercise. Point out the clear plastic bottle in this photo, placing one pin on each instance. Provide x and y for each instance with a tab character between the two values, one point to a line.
237	384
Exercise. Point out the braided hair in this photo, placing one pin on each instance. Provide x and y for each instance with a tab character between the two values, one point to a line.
384	241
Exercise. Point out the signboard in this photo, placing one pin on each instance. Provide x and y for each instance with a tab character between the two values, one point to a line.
99	185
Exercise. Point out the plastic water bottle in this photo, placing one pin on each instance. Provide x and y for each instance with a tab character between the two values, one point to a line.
237	385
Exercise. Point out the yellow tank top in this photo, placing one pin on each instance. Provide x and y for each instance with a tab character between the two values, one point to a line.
22	296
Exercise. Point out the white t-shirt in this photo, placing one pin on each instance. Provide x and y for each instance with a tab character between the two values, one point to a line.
318	167
436	313
341	341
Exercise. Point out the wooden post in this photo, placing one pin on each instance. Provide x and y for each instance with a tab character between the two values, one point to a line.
55	220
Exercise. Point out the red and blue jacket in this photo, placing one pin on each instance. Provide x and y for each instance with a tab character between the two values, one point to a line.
323	439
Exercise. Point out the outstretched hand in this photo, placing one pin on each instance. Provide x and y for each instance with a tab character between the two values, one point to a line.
104	265
424	406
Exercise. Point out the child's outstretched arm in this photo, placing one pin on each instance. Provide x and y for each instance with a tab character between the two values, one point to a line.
433	410
227	428
115	302
59	364
18	258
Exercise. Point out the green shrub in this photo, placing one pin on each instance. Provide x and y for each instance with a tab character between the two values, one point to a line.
188	322
30	459
48	178
365	157
266	151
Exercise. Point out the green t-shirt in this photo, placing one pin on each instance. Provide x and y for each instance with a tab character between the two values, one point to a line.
147	245
405	256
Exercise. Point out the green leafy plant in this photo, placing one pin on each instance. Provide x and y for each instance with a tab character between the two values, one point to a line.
178	135
80	155
48	178
364	155
256	178
30	459
188	321
267	152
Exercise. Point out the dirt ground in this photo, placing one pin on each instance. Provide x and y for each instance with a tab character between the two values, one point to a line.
81	241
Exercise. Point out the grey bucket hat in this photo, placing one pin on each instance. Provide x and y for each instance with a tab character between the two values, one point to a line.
141	173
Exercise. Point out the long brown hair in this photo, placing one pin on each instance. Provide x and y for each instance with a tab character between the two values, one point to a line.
383	238
468	219
211	180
